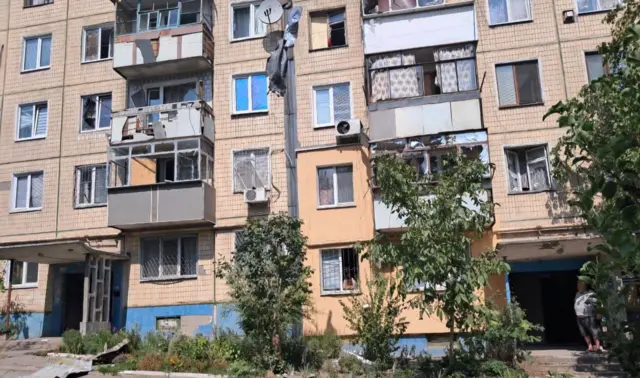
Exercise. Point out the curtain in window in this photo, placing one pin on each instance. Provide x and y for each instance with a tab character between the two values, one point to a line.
345	184
259	27
380	82
241	22
323	106
31	54
150	264
341	103
21	192
105	111
41	121
331	270
537	165
189	257
17	270
512	166
26	121
169	257
45	52
259	92
395	83
32	272
453	77
100	195
91	44
36	189
498	12
519	10
325	186
506	85
84	191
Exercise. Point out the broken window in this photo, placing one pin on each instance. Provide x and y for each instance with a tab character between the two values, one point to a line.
422	72
245	21
96	112
340	270
251	169
97	43
519	83
335	186
528	169
168	257
169	17
91	185
328	29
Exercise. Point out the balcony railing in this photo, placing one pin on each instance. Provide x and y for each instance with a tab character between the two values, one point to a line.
175	120
384	6
155	15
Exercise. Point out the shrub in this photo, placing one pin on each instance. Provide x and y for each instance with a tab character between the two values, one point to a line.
493	368
94	343
72	342
195	348
329	343
151	361
226	346
153	342
350	364
242	368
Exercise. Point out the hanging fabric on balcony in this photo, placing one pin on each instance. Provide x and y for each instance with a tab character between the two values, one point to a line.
401	82
459	75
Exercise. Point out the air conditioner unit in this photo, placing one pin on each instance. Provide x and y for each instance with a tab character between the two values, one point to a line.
255	195
348	128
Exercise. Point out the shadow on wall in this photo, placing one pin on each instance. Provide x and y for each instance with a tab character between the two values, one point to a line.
559	209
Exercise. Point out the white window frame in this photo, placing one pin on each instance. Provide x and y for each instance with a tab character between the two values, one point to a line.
14	188
342	290
335	186
38	53
162	86
509	21
158	17
509	151
34	121
331	105
177	276
267	185
92	202
97	98
249	95
600	9
252	21
24	284
84	41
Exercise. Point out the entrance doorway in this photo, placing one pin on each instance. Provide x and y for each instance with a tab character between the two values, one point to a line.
73	290
547	297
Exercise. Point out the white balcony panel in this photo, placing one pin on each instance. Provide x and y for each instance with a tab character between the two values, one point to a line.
419	29
466	115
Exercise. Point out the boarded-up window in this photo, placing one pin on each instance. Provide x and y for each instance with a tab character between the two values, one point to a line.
328	29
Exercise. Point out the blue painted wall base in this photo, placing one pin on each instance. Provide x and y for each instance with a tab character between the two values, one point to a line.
30	325
417	343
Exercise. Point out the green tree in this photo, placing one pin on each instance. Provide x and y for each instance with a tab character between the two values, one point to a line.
599	156
268	280
376	318
442	220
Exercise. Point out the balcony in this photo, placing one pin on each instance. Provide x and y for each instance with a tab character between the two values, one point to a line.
168	183
176	120
160	37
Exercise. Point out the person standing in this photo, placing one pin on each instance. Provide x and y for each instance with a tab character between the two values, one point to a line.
584	305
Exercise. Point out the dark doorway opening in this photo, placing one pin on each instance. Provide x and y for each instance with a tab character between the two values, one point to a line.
547	297
72	305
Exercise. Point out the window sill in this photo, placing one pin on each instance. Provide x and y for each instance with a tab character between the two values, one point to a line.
531	192
587	13
96	61
328	48
24	286
99	129
505	107
343	293
173	278
511	23
241	191
250	112
320	127
35	70
89	206
32	138
16	211
338	206
234	40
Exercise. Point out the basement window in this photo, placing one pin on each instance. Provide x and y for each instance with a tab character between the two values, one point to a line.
528	169
340	271
328	29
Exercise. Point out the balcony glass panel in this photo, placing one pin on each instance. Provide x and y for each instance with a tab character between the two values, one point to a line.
384	6
150	15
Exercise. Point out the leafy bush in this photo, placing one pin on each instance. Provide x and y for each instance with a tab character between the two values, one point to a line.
329	343
72	342
226	346
242	368
350	364
154	342
94	343
493	368
195	348
151	361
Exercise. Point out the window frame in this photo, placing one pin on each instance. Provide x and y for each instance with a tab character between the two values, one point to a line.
84	41
233	164
98	98
162	85
158	18
491	24
599	10
14	188
24	284
605	68
326	13
160	276
248	76
38	53
513	64
342	291
314	113
509	150
34	121
252	21
336	204
92	203
26	5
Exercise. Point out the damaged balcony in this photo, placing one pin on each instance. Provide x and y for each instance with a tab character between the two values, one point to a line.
427	155
163	37
425	91
160	184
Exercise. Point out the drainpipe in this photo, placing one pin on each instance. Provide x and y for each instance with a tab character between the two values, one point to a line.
291	131
7	322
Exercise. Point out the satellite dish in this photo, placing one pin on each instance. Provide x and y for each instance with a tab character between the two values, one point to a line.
270	11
